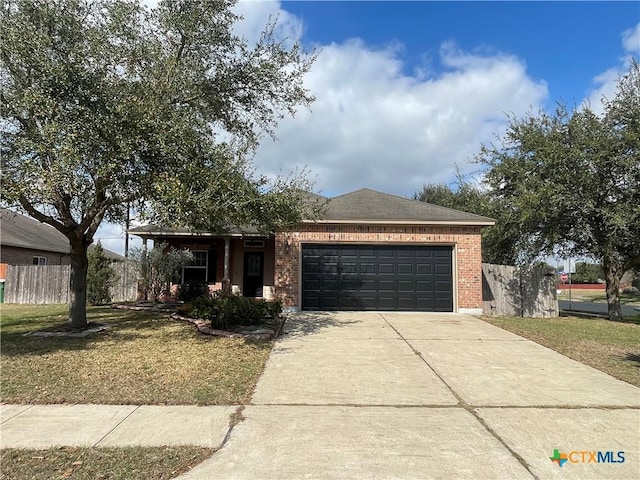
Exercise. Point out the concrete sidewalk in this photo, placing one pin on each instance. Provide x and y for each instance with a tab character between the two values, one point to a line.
46	426
383	395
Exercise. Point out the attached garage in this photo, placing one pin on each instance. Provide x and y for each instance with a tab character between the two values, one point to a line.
377	277
366	250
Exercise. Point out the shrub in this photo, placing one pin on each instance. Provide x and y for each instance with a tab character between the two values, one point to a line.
228	310
270	309
159	267
100	277
204	307
191	291
237	310
631	290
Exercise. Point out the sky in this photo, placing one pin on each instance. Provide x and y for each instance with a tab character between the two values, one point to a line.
407	92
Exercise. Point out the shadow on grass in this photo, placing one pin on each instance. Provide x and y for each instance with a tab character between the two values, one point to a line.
634	359
124	327
634	319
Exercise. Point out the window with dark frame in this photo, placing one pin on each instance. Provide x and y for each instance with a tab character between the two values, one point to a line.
196	271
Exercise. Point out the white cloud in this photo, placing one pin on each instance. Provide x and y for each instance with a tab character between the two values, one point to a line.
606	82
374	126
256	15
631	39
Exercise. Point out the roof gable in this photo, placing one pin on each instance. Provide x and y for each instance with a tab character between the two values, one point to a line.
366	205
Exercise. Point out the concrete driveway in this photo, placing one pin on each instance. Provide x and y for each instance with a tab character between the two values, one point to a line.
389	395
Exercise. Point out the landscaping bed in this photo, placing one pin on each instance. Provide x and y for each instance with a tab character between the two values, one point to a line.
263	329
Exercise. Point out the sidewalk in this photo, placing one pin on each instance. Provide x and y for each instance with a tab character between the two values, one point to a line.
46	426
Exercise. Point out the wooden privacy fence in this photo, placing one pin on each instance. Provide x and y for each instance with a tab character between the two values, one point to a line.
125	288
37	284
40	284
519	291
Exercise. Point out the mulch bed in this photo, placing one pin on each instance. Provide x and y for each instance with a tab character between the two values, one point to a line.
248	332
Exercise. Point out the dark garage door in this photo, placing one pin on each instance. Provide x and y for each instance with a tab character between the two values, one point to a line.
377	277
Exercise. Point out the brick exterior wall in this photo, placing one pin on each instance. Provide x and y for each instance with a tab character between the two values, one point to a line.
467	253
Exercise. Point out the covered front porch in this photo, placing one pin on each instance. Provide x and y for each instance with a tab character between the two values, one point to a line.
245	262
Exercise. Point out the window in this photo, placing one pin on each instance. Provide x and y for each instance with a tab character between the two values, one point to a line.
196	271
202	268
39	260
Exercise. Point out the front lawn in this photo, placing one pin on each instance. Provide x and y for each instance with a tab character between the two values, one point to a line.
136	463
145	358
612	347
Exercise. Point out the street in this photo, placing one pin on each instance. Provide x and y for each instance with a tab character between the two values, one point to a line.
592	307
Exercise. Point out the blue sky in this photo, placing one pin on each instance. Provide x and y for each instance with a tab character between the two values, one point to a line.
407	92
566	44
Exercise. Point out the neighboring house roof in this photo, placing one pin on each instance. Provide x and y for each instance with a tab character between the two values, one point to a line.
370	206
361	206
25	232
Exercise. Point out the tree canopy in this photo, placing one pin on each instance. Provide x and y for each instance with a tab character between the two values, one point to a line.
498	241
570	183
107	103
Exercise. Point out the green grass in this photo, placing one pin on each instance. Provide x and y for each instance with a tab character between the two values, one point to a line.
145	358
156	463
612	347
598	296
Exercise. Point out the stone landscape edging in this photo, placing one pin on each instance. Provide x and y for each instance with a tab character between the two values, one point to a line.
203	325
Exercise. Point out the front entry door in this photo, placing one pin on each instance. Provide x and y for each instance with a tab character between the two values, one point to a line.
253	277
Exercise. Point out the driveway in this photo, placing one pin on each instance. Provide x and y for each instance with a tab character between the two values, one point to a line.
389	395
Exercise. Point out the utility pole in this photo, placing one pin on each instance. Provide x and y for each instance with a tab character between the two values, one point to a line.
126	255
126	232
570	283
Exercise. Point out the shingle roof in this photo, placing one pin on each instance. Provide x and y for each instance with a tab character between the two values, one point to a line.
25	232
365	205
368	205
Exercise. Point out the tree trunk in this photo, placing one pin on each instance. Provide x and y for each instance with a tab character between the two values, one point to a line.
79	267
612	276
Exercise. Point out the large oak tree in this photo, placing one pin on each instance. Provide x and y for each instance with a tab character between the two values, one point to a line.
570	183
107	103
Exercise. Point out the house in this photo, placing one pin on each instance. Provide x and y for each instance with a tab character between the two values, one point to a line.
25	241
369	251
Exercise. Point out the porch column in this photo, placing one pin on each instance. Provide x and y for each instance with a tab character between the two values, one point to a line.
226	281
145	290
